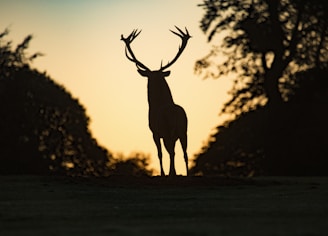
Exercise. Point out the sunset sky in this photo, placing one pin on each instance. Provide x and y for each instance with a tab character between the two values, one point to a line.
83	52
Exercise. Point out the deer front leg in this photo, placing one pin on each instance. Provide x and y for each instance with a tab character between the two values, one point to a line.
183	141
157	141
169	145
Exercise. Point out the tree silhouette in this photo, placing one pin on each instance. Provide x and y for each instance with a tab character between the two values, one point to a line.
278	53
266	42
43	128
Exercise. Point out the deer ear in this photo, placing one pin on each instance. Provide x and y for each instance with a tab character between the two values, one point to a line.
143	73
166	73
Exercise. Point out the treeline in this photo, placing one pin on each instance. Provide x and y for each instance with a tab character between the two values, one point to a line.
277	54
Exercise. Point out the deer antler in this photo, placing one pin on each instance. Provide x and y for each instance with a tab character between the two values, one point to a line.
184	37
128	49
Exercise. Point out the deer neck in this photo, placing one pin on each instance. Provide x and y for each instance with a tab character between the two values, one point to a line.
159	94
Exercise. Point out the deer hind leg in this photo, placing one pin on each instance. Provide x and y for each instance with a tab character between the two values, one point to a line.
157	141
183	141
169	146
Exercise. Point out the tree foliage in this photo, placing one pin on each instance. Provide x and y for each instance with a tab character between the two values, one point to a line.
43	128
265	43
277	54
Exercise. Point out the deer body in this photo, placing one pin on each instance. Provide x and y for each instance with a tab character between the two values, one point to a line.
167	120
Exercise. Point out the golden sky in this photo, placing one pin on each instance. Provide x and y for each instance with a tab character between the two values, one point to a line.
83	52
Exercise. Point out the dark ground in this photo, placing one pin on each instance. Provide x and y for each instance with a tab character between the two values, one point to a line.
32	205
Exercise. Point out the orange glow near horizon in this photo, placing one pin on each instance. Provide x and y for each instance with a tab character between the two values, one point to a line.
83	52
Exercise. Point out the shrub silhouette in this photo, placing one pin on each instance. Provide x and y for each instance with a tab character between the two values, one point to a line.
136	164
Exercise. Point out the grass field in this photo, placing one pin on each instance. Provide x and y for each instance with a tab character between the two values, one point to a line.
31	205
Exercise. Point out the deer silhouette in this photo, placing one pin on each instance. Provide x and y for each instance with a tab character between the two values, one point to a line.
167	120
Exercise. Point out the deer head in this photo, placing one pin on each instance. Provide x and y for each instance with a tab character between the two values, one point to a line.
144	70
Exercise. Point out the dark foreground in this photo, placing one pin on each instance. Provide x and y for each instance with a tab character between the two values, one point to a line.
32	205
